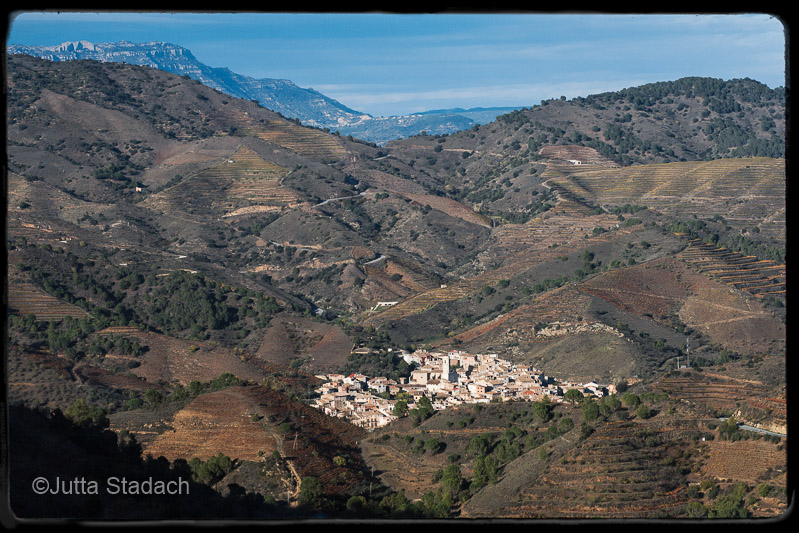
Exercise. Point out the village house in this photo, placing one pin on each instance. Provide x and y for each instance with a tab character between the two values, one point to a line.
553	391
498	381
327	388
415	390
425	374
467	361
419	357
372	419
523	382
453	401
492	395
356	382
340	399
477	388
379	385
529	395
594	388
440	401
354	387
536	390
507	394
433	385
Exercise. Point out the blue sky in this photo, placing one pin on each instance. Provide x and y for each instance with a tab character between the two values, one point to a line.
389	64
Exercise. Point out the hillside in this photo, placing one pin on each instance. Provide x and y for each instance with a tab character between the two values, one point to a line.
601	459
692	119
188	264
310	107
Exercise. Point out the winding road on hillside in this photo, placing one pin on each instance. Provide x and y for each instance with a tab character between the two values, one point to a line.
341	198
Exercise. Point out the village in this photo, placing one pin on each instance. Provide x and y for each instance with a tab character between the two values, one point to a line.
446	380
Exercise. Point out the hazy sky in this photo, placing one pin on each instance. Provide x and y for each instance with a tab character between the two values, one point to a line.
388	64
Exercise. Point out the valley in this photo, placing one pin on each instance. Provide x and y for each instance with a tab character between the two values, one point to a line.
187	270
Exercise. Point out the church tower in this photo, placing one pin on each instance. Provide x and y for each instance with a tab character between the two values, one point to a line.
445	369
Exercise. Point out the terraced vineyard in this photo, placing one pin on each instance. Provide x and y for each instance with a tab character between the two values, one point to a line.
243	181
51	200
119	330
93	376
669	288
171	360
718	393
451	207
746	273
744	191
620	471
19	227
304	141
446	293
300	140
563	161
412	474
241	421
714	394
778	406
412	277
385	181
255	181
721	178
428	299
544	234
732	461
416	192
18	190
25	298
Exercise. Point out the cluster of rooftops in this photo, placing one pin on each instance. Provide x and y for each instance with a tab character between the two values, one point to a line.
446	380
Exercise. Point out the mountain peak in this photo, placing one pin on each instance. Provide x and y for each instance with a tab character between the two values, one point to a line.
281	95
71	46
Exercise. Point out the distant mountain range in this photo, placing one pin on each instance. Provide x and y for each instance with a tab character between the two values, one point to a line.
283	96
